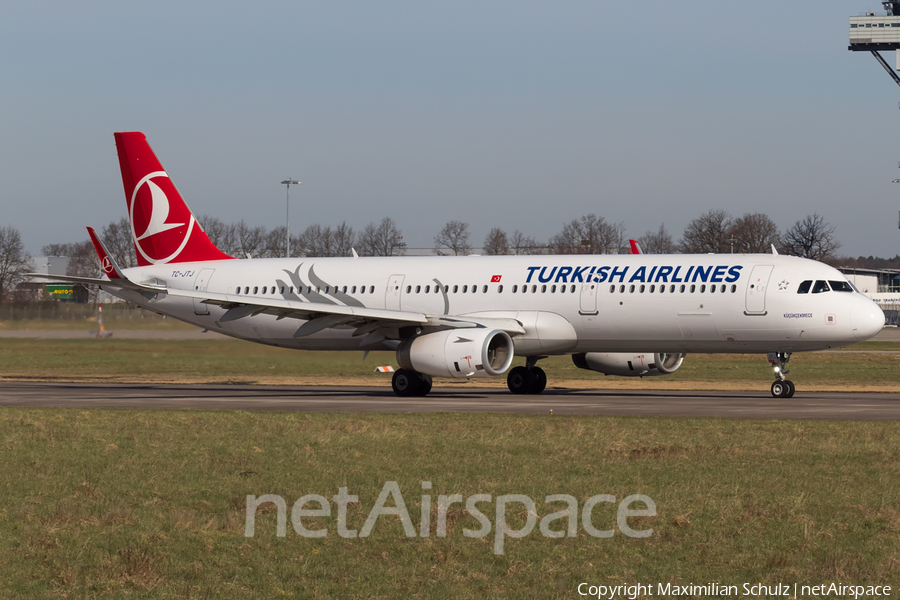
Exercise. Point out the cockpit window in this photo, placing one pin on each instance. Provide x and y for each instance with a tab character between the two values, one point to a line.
804	287
840	286
820	286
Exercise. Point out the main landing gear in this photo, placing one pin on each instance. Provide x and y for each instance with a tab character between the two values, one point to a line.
781	388
529	379
410	383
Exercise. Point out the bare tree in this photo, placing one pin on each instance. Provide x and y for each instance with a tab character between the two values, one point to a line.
343	239
588	235
117	238
521	244
659	242
275	245
811	237
14	261
316	241
249	240
707	233
384	239
496	243
453	238
754	232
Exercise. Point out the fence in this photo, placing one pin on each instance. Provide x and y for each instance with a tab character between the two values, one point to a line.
69	311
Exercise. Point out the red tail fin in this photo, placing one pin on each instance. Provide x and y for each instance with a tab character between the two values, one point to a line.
162	226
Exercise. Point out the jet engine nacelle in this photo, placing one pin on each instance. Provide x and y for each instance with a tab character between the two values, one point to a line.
458	353
626	364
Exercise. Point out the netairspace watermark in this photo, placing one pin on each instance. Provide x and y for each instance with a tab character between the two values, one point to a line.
502	530
796	590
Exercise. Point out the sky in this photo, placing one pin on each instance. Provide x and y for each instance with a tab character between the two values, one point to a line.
520	115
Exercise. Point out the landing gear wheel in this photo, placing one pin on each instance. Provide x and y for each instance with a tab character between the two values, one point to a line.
409	383
540	380
790	385
426	385
783	389
520	380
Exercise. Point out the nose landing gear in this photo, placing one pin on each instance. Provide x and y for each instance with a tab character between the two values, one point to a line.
529	379
782	387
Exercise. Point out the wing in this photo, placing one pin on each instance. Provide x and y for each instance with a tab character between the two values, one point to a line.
375	323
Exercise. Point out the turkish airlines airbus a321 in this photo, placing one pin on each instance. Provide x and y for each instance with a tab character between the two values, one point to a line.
629	315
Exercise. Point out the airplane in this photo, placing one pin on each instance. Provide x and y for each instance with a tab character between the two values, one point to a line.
634	315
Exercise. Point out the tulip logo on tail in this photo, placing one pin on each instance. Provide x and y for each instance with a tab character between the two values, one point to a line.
158	236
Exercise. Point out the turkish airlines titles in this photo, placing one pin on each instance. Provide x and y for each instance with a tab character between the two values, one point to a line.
656	274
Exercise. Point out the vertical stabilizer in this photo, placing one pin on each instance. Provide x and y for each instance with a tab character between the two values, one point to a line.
162	226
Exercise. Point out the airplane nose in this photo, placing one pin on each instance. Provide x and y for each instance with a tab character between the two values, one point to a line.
866	319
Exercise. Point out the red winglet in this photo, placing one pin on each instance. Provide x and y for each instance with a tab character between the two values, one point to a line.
635	249
106	261
162	226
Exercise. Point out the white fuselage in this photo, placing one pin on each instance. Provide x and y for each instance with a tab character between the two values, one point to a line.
571	303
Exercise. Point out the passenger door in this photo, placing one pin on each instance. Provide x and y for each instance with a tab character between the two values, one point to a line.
393	292
200	285
756	290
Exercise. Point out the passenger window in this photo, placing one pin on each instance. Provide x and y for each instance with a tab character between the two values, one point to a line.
371	289
515	289
840	286
702	288
543	289
643	288
484	289
362	289
264	289
354	290
474	288
553	289
820	287
427	289
682	288
255	289
455	288
621	289
652	288
573	288
722	289
662	289
693	288
631	289
499	289
733	288
534	289
418	288
465	289
612	289
712	289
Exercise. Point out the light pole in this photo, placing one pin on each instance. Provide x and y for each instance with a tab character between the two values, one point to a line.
287	216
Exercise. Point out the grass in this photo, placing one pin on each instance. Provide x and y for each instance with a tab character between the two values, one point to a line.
236	361
150	504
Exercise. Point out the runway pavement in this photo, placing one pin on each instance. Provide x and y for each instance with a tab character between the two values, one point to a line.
760	405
